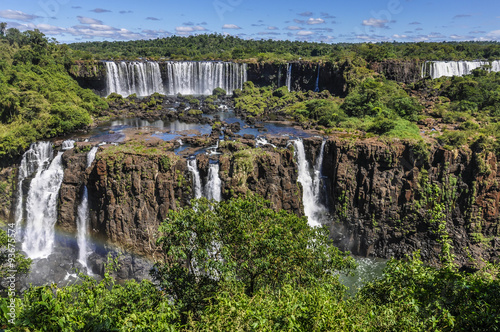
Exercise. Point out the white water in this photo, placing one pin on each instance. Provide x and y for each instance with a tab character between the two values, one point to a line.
41	209
68	144
82	219
213	186
261	141
311	184
128	77
438	69
289	76
184	77
193	168
37	157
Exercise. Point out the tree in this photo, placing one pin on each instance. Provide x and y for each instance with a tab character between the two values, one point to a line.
3	27
243	241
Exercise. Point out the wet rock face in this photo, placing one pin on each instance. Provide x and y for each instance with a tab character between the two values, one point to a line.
130	193
383	198
399	70
386	199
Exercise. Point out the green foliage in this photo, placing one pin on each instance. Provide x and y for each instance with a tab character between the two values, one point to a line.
440	299
227	47
165	163
219	92
241	241
11	258
38	98
95	306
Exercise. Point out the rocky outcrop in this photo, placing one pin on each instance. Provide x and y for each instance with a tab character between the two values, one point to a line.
303	76
132	187
90	75
399	70
388	201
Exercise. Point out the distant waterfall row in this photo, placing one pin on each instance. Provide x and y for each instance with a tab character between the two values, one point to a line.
436	69
173	77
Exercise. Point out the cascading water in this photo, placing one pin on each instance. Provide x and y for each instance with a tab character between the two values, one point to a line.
128	77
313	209
289	76
83	216
193	168
201	78
213	186
184	77
37	157
316	86
41	209
68	144
436	69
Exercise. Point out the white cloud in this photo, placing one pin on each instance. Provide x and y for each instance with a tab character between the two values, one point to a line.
495	35
272	28
315	21
189	29
293	27
17	15
304	33
373	22
230	26
88	20
399	36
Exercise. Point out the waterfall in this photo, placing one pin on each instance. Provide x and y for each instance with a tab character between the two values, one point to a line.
82	219
316	86
436	69
201	78
68	144
317	172
213	186
184	77
310	184
289	76
128	77
41	209
193	168
37	157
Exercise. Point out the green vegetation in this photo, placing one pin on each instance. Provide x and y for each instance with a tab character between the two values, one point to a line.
38	98
241	266
10	258
375	106
220	47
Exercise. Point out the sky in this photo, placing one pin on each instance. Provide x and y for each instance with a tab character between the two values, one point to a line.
333	21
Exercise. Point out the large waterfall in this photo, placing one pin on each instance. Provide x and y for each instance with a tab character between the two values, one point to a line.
311	183
193	168
436	69
128	77
213	186
41	204
174	77
83	216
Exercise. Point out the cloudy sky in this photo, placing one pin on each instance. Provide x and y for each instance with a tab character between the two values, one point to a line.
327	21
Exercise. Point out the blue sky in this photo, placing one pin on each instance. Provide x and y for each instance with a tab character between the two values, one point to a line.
331	21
